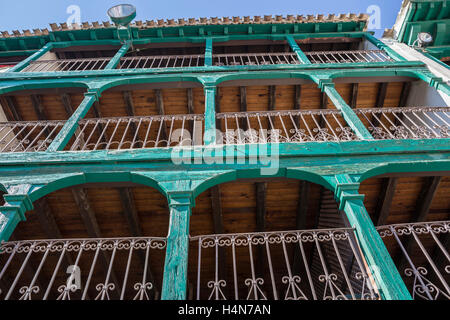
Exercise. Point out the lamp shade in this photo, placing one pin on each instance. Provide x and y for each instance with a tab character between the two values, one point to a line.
122	14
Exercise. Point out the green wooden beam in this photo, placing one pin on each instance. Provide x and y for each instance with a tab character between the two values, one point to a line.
71	125
210	115
380	262
209	52
382	46
176	262
294	46
23	64
116	59
347	113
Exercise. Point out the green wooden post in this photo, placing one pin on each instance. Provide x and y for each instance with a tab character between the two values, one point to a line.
210	115
327	86
383	268
22	65
382	46
71	125
300	55
12	213
116	59
176	263
209	52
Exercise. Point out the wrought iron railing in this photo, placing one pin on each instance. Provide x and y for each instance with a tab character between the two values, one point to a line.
67	65
284	126
168	61
420	251
407	122
139	132
290	265
348	56
246	59
28	136
82	269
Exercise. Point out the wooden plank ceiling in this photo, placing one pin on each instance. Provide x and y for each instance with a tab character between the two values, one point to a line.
58	104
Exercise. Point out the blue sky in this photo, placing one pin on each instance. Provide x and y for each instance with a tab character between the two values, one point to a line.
29	14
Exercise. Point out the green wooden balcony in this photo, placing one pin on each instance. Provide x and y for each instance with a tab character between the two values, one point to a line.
198	60
290	126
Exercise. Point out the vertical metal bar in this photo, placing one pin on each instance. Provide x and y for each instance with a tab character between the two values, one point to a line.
305	262
127	270
55	271
269	260
416	272
341	264
199	266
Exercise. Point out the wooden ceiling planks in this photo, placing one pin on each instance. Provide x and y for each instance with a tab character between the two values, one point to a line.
175	100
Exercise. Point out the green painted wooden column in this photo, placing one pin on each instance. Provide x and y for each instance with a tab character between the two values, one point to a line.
327	86
210	115
116	59
209	52
22	65
12	213
176	263
71	125
300	55
384	271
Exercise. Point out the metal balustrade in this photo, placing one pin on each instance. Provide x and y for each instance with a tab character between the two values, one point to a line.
256	59
407	122
261	266
228	59
348	56
28	136
139	132
284	126
150	62
423	257
163	131
67	65
82	269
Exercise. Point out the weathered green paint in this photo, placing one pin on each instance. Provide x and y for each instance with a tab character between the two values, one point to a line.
13	212
209	52
176	263
210	115
300	55
116	59
71	125
380	262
